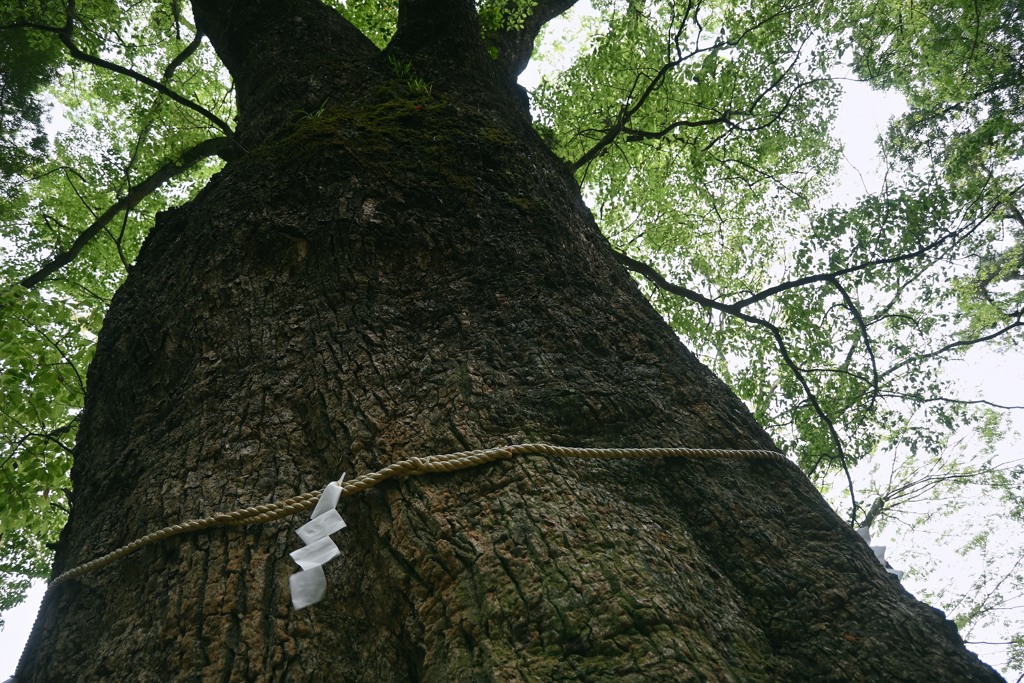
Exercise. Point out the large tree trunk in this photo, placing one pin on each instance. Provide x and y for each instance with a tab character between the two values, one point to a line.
409	274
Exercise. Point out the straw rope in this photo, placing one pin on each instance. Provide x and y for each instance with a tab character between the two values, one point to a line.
415	466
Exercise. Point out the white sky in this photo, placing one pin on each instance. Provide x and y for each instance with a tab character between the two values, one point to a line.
862	117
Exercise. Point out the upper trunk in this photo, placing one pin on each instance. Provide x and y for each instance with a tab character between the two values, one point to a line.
406	274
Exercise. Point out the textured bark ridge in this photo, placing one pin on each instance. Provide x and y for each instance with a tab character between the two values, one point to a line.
408	274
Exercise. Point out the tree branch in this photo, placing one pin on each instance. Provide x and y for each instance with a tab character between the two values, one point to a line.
182	56
146	80
864	265
1017	323
187	160
726	117
854	310
635	135
873	512
945	399
64	34
627	112
515	47
630	108
659	281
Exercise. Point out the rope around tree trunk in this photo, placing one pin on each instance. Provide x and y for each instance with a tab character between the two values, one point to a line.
410	467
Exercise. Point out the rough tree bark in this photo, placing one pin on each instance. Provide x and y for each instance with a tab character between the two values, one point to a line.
407	274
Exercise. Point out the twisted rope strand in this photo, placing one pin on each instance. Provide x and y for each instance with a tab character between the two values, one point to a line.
415	466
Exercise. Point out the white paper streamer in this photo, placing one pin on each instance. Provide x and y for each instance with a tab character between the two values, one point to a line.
309	586
316	554
328	499
324	525
879	551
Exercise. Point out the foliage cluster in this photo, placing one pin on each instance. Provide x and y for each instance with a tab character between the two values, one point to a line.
73	214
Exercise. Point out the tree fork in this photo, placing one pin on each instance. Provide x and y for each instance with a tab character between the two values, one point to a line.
329	59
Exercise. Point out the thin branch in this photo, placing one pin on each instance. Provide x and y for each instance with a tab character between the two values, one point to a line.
943	399
146	80
825	277
52	435
635	135
117	240
188	159
68	172
726	117
189	50
627	112
659	281
855	312
963	231
64	355
961	343
630	108
64	34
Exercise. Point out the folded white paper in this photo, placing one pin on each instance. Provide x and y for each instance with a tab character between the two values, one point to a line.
328	499
318	527
879	551
316	553
308	587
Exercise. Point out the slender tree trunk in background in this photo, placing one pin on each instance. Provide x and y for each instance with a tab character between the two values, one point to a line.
407	274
